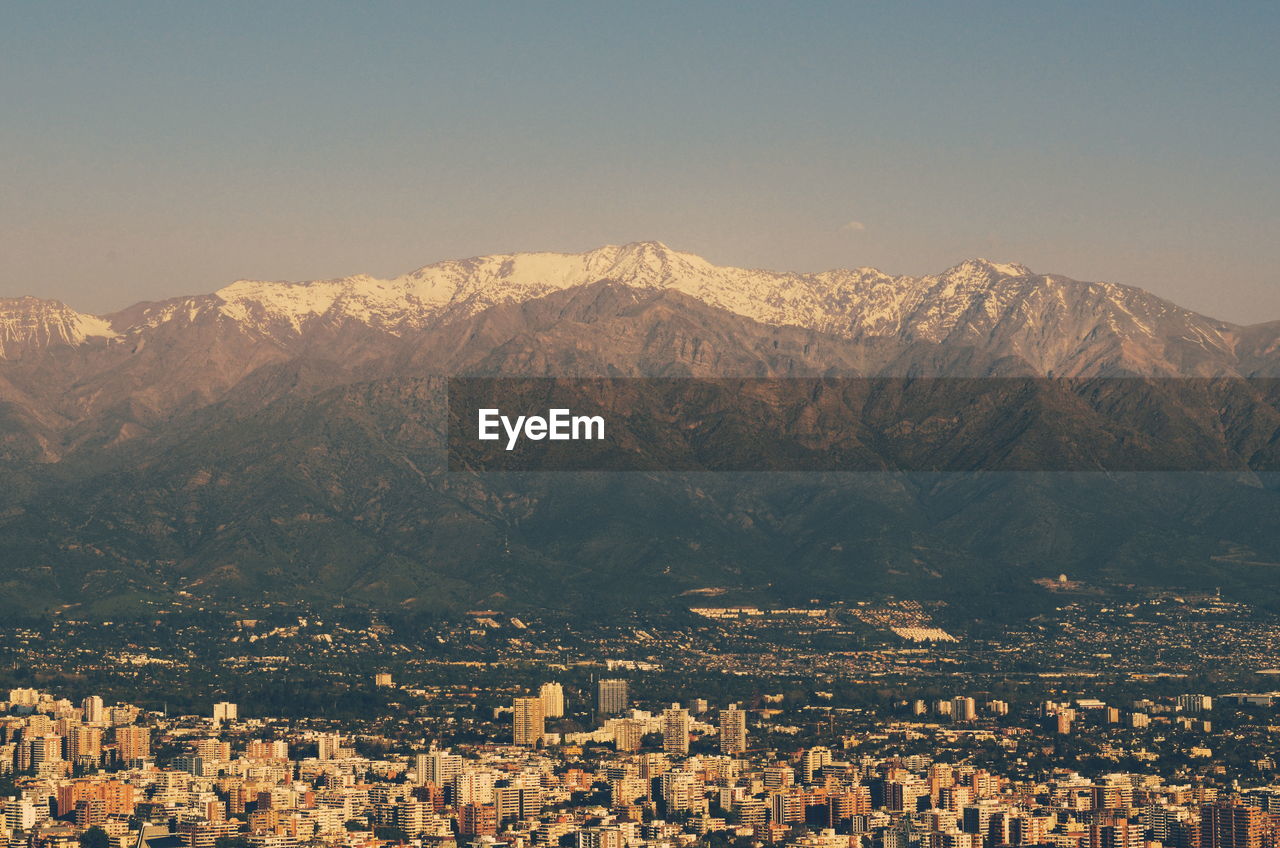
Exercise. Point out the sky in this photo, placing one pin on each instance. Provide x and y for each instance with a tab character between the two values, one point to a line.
149	150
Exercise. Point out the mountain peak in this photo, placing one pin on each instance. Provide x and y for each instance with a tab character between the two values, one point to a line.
29	323
649	246
652	256
1049	321
988	267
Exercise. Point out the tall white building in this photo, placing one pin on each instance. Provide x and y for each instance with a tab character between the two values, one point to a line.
327	745
552	695
438	767
225	712
19	814
474	786
627	733
733	730
517	799
812	761
682	792
963	709
92	710
675	730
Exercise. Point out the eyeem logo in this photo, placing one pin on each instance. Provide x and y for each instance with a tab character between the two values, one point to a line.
559	425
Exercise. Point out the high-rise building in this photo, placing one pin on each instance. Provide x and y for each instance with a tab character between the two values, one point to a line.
963	709
813	761
733	730
1114	832
116	796
19	813
752	812
122	714
409	815
421	766
624	791
675	730
1195	703
1112	794
133	743
681	791
652	764
84	744
474	786
786	807
225	712
778	775
38	725
599	837
328	745
24	697
92	710
42	753
261	749
205	834
627	733
438	767
1029	830
611	696
528	721
90	813
212	750
478	820
552	695
1224	825
517	800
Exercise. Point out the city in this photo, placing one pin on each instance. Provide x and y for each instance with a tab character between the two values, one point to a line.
740	726
474	424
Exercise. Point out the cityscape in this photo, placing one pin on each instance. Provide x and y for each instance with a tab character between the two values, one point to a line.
639	424
724	726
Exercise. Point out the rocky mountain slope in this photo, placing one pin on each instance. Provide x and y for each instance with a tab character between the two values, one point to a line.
281	438
1058	325
31	324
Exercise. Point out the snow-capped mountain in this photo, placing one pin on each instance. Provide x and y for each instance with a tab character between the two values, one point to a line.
31	323
856	302
271	436
1057	325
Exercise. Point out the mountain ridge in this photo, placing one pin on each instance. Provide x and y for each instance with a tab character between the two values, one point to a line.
201	459
1003	303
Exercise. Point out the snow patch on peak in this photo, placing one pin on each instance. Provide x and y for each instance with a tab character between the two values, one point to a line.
31	323
312	298
1056	324
1007	269
861	301
1045	319
980	266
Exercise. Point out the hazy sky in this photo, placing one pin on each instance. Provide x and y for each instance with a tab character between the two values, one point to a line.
156	149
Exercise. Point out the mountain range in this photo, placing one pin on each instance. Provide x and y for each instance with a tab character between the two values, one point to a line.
286	439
